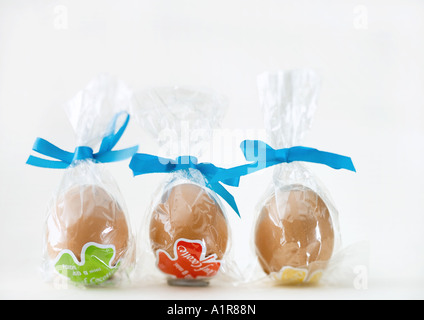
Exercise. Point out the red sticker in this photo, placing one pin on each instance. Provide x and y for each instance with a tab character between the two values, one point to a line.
190	261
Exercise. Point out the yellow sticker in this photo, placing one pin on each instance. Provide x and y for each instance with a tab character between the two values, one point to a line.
289	275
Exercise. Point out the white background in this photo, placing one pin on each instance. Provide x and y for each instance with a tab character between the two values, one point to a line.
369	55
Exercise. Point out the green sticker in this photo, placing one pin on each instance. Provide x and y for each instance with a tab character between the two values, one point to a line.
95	266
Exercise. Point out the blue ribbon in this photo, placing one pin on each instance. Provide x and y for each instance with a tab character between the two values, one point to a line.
265	156
142	163
65	158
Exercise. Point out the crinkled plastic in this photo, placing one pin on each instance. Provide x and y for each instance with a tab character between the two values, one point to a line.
185	237
296	233
88	238
182	119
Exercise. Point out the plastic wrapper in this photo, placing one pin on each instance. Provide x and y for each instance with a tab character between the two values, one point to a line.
185	236
88	239
296	233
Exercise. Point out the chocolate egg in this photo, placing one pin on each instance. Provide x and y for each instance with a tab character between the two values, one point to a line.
294	229
86	214
188	212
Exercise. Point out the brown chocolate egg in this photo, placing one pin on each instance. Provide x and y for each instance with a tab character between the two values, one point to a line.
189	212
294	229
86	214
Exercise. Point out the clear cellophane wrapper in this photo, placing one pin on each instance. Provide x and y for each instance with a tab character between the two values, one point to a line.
88	238
296	236
185	237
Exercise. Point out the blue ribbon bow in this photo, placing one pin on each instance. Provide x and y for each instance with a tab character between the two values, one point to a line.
142	163
265	156
65	158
